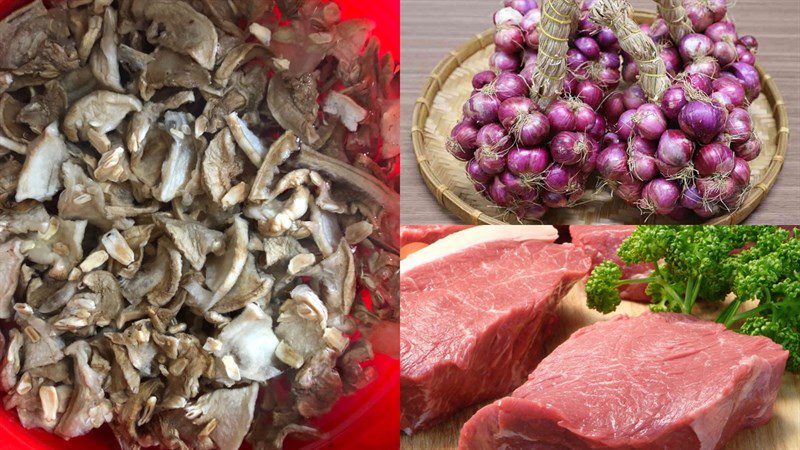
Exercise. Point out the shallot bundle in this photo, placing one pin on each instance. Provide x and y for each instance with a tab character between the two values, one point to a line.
685	153
524	157
594	61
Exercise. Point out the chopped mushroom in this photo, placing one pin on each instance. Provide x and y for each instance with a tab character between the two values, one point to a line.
39	179
88	408
10	263
44	108
182	262
104	61
230	410
250	344
221	165
181	28
344	107
91	117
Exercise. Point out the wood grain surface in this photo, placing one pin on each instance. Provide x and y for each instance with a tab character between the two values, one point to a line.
781	433
432	28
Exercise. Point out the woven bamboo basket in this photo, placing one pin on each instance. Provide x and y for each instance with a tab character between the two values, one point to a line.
449	86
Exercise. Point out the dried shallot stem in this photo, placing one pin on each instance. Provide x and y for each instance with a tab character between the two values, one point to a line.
559	18
673	13
615	14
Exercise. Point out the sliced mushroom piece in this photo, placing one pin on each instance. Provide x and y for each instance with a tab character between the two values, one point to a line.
354	375
158	280
88	408
302	322
99	309
133	59
9	123
295	207
39	179
181	28
279	152
345	108
288	114
336	278
95	260
229	410
318	385
23	218
249	339
82	197
12	361
244	94
137	410
182	158
113	166
260	32
16	49
223	271
104	60
280	249
43	345
44	108
221	165
251	287
357	232
250	144
170	69
32	411
10	263
78	83
147	163
98	113
60	247
136	239
291	180
48	296
137	342
142	121
76	314
192	239
117	247
236	58
382	201
94	26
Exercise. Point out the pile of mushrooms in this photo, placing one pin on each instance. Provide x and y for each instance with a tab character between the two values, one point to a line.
194	195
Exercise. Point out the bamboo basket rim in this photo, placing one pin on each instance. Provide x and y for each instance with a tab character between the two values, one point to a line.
450	200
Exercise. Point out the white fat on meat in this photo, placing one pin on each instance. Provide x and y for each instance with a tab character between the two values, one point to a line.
462	240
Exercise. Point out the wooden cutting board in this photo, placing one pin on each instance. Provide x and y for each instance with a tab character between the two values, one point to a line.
781	433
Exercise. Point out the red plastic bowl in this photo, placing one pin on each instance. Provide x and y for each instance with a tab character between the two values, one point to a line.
368	419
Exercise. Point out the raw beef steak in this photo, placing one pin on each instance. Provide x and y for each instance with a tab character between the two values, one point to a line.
476	308
658	381
427	233
601	242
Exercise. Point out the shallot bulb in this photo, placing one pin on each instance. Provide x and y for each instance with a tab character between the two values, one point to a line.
701	120
612	162
476	174
512	110
463	140
649	121
739	126
713	159
570	148
528	162
660	196
482	108
531	129
749	149
749	77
